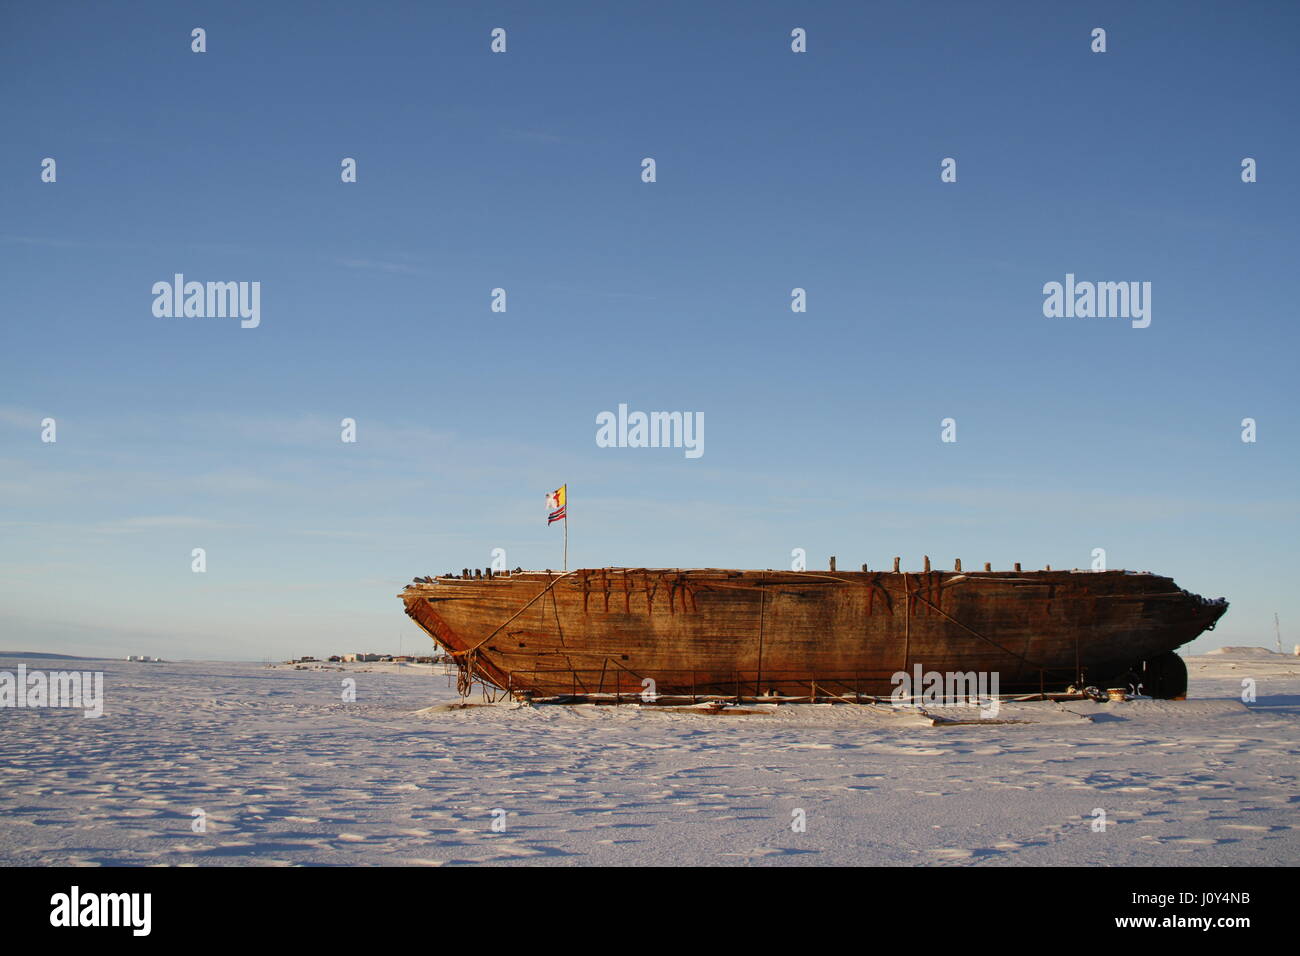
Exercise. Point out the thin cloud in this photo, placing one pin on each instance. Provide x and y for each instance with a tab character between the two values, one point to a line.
152	523
538	136
377	265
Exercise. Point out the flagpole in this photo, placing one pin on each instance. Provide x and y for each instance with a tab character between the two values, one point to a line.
566	526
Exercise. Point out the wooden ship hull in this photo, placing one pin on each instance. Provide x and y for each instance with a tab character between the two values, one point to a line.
708	632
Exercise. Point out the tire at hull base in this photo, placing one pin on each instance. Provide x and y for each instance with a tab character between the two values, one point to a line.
1164	676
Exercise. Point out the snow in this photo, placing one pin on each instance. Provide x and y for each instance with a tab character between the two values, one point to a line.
1245	652
286	772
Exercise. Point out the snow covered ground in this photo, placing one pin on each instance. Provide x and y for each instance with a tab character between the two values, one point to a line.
285	772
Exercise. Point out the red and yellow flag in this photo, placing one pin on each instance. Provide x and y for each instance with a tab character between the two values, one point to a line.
555	504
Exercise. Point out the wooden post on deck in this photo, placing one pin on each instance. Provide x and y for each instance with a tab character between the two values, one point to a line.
896	560
832	562
927	564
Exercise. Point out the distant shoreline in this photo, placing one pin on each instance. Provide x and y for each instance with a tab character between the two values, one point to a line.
49	656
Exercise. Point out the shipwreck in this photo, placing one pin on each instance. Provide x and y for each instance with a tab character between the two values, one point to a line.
613	633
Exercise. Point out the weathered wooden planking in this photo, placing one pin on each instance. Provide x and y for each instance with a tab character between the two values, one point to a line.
713	631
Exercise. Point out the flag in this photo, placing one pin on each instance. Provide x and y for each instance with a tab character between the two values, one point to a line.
555	503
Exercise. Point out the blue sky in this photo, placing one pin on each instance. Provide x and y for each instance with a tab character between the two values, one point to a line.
522	171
